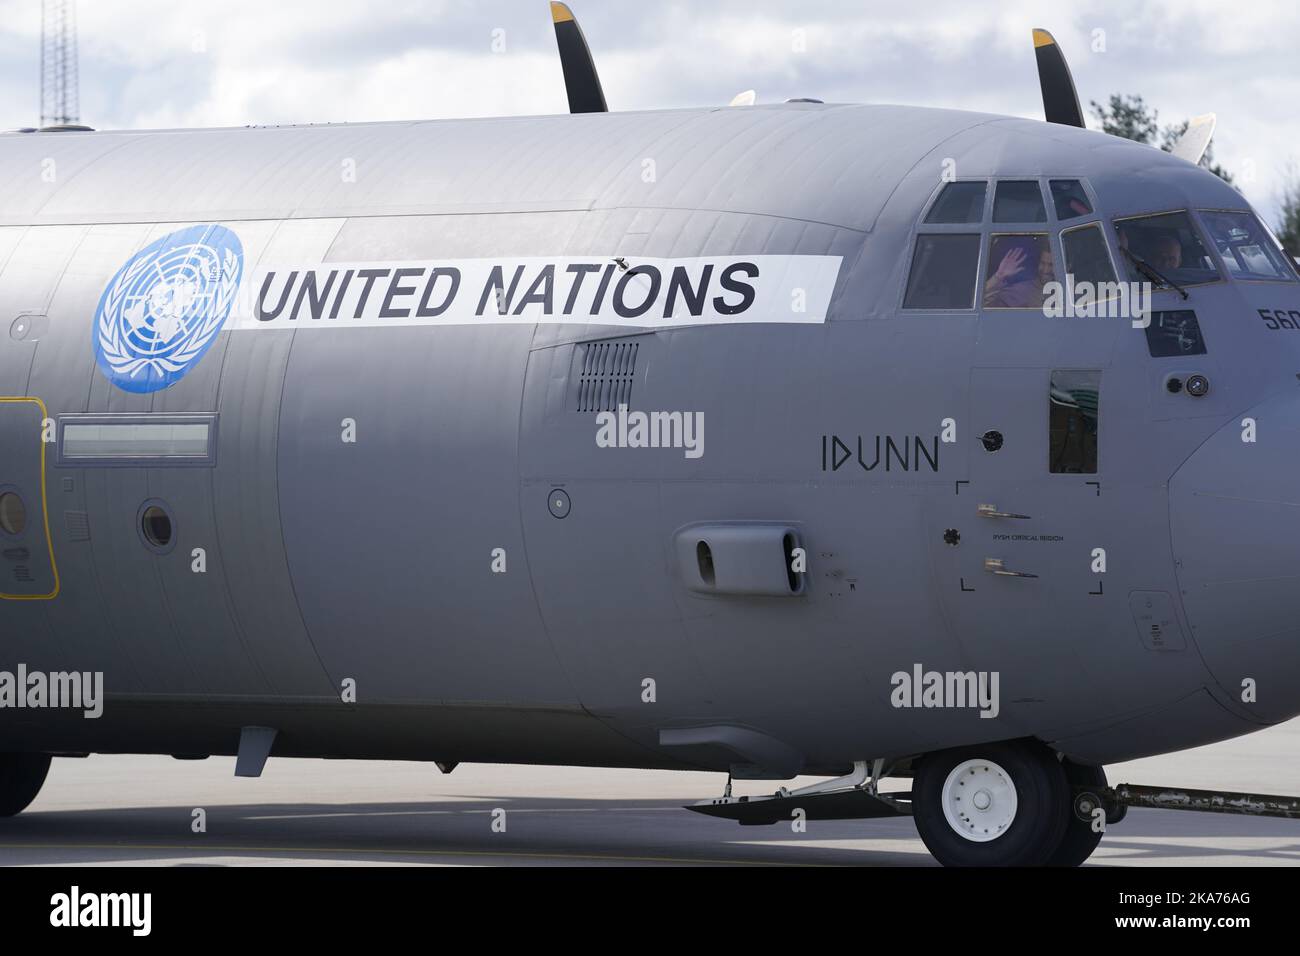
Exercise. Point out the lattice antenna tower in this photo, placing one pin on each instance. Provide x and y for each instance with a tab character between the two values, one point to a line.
60	100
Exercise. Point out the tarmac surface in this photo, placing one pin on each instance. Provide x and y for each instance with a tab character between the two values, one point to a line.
131	810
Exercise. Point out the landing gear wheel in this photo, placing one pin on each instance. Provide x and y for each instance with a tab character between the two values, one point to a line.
1080	839
21	777
1002	804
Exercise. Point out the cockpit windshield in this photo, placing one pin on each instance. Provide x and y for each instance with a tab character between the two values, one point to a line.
1170	244
1247	250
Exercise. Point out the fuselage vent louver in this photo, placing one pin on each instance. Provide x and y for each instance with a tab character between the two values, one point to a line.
77	524
608	370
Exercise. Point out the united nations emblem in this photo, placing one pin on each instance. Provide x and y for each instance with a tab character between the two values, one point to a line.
164	308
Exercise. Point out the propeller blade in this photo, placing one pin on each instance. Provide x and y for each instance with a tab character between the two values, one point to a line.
1060	100
747	98
1192	145
580	76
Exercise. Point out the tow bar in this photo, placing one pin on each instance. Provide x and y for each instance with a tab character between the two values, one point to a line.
1116	801
856	797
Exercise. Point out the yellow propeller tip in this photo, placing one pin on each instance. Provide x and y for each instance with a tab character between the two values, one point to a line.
560	12
1041	37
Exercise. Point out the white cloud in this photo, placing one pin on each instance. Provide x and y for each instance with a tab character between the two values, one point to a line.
149	63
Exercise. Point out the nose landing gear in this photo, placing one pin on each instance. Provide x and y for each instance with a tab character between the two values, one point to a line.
1008	803
1000	804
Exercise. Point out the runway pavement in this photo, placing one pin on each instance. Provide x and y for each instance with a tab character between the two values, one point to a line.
141	811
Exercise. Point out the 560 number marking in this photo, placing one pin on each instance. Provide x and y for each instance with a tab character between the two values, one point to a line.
1280	319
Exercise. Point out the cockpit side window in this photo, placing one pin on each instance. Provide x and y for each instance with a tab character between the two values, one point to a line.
1170	244
1087	263
1019	270
945	268
959	203
1070	200
1247	250
1019	201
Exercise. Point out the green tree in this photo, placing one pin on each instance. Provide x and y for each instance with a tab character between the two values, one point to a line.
1131	118
1128	117
1288	223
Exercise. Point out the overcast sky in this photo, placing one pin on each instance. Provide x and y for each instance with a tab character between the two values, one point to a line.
164	63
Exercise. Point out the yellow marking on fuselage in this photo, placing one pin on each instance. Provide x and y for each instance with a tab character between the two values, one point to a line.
45	508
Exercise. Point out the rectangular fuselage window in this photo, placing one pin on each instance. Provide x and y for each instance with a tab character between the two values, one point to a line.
945	267
1088	268
960	203
137	440
1073	405
1169	243
1020	267
1086	258
1019	201
1245	247
1070	200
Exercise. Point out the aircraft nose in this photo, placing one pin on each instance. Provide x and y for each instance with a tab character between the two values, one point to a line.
1235	519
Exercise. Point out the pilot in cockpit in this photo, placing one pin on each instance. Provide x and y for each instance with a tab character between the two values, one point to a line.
1012	285
1167	253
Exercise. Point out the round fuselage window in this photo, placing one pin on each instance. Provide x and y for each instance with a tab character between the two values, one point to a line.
157	526
13	514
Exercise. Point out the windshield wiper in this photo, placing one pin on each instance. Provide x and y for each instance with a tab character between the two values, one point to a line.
1152	273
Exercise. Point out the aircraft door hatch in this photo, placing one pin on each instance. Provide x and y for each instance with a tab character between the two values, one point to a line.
1012	547
27	568
1034	497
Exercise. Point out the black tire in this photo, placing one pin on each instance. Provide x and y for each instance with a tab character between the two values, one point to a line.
1080	839
21	778
1042	805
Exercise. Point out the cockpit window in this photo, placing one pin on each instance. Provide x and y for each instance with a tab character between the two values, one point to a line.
1168	243
1019	269
1086	258
959	203
1070	200
1019	201
945	268
1245	247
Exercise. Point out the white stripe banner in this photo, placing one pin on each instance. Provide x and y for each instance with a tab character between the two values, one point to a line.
635	293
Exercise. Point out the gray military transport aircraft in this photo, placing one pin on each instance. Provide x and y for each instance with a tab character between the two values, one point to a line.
387	441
